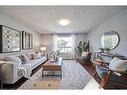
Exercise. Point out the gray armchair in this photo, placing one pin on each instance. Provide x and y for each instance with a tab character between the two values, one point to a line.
107	74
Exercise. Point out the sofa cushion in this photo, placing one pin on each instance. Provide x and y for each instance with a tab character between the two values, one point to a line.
30	55
101	71
36	62
24	59
27	58
37	56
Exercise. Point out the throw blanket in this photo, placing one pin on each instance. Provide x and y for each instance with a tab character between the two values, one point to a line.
26	70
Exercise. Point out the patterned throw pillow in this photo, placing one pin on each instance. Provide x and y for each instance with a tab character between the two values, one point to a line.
26	58
23	59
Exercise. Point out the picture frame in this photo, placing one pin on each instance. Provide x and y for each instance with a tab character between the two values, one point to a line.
27	40
10	40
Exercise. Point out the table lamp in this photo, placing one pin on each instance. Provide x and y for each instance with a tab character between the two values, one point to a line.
42	50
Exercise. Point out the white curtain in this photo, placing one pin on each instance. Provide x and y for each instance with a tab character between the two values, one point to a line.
55	43
73	41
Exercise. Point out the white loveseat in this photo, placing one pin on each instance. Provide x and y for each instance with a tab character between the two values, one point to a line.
9	71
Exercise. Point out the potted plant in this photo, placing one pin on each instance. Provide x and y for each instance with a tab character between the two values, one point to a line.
83	46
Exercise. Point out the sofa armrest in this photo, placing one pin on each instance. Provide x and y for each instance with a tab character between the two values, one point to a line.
8	72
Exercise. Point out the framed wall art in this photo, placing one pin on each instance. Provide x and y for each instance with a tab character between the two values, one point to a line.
27	40
10	39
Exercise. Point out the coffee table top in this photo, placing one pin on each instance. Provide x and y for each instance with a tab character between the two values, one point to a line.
55	63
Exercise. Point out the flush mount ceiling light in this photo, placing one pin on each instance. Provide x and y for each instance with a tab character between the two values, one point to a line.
64	22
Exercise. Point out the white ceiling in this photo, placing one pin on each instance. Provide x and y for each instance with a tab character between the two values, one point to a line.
44	19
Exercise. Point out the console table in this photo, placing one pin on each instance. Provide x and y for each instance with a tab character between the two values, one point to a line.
107	57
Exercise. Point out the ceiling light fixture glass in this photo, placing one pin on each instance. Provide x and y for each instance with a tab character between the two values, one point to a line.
64	22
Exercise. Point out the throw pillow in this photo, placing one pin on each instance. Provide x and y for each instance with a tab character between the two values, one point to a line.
85	53
14	59
30	55
36	56
23	59
26	58
118	64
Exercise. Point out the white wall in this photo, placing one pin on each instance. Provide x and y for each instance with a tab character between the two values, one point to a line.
14	23
117	23
80	37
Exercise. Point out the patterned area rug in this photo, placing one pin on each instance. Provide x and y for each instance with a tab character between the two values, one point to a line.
74	77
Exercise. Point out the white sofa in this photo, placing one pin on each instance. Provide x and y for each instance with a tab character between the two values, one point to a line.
9	72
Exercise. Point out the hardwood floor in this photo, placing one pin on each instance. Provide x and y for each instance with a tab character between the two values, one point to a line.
91	70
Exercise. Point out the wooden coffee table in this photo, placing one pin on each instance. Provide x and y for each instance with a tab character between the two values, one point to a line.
52	66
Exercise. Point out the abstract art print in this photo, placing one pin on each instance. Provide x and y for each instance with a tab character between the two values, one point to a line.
10	39
27	40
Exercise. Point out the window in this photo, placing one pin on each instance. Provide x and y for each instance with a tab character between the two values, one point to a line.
64	44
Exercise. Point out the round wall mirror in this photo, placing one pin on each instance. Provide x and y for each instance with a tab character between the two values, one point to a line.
110	40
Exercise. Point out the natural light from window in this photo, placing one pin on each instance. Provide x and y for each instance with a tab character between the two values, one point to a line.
64	44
